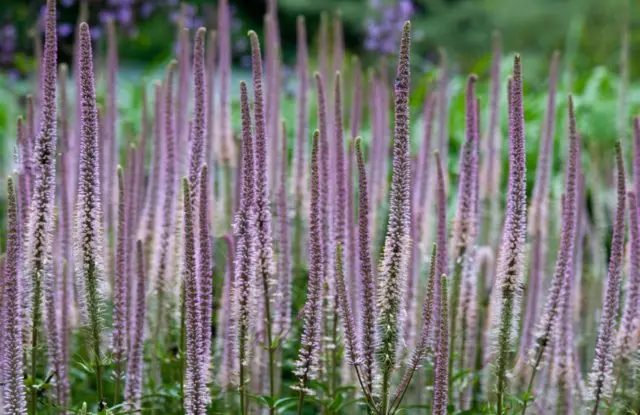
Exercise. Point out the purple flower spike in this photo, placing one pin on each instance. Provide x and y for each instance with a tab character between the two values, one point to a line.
443	107
183	126
302	69
283	318
42	198
118	340
511	258
491	170
554	298
352	230
88	259
24	172
600	377
225	321
324	173
344	306
244	234
12	369
227	151
110	142
464	226
367	283
265	266
205	269
133	390
162	251
307	364
423	168
629	323
210	66
153	188
538	216
199	128
394	263
441	379
273	64
195	387
428	321
340	209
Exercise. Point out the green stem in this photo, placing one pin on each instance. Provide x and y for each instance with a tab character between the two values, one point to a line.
33	402
385	391
116	389
242	390
503	348
533	377
455	299
301	401
334	357
157	332
270	348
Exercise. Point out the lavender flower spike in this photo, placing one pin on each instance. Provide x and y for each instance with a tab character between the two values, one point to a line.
600	377
42	198
118	342
225	321
428	321
629	322
265	267
14	401
344	305
302	68
367	282
88	260
553	305
538	215
199	125
205	269
464	227
393	269
511	260
194	400
283	319
133	390
307	364
161	263
441	381
244	236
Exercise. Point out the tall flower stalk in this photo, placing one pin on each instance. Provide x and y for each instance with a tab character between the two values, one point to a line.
420	351
538	216
14	401
393	269
194	399
40	225
118	340
161	262
88	261
205	271
600	377
307	364
441	378
553	305
511	259
133	390
464	230
265	267
367	282
244	234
